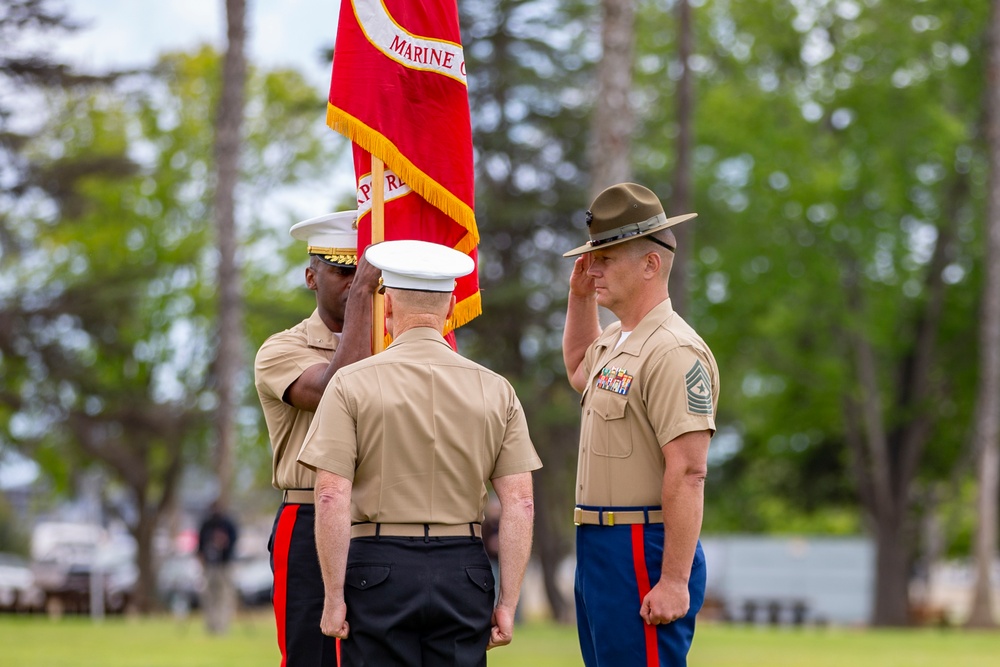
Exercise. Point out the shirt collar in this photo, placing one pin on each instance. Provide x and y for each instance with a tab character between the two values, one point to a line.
653	320
318	335
420	333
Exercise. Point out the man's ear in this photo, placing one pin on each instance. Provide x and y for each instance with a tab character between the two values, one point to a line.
310	278
653	263
387	301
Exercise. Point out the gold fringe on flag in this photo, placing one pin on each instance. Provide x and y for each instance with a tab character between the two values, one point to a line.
381	147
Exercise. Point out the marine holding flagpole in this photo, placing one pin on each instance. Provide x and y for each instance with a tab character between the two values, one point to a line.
291	371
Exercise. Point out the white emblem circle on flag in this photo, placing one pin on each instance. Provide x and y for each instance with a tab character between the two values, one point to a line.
411	51
394	188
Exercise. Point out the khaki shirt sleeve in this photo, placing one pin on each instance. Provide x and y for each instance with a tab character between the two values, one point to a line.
517	453
280	362
679	390
332	442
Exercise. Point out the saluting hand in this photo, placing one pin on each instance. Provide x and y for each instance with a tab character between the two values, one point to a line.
666	602
334	621
580	282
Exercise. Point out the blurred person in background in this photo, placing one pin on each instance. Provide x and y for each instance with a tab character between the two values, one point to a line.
217	537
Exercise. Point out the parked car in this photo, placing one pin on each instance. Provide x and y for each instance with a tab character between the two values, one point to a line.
66	556
17	585
253	579
180	581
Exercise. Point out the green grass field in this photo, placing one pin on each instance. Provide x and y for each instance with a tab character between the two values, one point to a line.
166	642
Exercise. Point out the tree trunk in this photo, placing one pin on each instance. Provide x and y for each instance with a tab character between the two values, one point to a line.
144	593
614	121
229	355
682	199
892	573
888	437
883	493
986	430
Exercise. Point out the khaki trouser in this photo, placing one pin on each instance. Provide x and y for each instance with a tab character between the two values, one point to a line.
219	600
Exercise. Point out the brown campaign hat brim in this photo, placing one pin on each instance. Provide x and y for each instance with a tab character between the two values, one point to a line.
590	247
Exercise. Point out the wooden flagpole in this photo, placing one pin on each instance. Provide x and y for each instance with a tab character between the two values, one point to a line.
378	235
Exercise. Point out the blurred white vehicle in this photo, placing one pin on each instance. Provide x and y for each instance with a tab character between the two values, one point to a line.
17	584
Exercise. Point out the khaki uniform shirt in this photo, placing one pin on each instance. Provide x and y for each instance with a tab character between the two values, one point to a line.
419	430
280	361
660	383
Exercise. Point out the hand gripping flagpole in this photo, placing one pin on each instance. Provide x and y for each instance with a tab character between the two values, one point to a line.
378	235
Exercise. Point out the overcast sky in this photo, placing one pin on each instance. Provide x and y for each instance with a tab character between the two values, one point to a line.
134	32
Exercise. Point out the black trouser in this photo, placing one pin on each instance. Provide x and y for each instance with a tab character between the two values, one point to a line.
414	601
297	594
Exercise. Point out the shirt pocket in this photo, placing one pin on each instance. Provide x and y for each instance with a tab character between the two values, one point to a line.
612	435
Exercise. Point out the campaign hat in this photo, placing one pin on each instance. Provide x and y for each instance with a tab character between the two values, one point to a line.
624	212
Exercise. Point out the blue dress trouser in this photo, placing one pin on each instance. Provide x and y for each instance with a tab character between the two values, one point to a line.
615	567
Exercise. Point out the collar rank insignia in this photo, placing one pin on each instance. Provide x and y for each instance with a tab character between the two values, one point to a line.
699	390
614	379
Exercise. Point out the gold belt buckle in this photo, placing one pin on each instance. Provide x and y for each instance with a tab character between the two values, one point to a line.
611	518
577	516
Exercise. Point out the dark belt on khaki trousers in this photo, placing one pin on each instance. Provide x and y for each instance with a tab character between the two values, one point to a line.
299	496
416	530
615	517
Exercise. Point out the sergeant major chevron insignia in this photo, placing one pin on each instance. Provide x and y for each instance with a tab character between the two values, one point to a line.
699	390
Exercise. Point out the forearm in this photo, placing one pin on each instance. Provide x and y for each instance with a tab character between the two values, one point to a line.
356	341
355	344
582	329
517	515
683	508
333	531
683	499
514	552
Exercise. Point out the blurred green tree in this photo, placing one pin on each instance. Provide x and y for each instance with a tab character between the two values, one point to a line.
838	170
108	307
986	425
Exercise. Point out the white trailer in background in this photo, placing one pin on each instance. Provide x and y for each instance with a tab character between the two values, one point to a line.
791	579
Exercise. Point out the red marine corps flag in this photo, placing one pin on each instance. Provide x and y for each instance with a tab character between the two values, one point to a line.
398	91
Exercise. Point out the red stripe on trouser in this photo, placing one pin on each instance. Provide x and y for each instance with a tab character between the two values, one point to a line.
642	577
282	539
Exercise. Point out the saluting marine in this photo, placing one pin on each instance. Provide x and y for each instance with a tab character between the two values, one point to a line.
650	389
